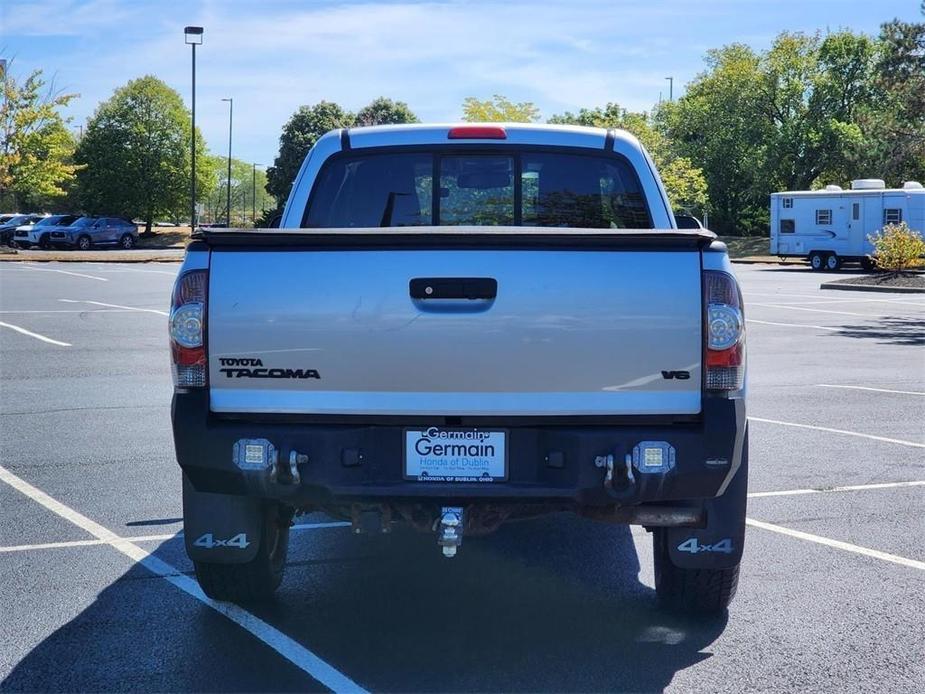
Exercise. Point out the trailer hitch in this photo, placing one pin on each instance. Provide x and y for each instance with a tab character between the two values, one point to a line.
623	472
449	529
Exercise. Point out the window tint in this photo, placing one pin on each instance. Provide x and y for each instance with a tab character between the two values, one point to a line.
377	190
893	215
83	222
575	190
823	216
787	226
476	190
555	189
685	221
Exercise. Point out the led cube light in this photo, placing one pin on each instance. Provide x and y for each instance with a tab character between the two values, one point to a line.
653	457
254	454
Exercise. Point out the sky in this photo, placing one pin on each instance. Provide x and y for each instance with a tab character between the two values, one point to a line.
272	56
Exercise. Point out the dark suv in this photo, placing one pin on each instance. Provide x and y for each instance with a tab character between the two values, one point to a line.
87	232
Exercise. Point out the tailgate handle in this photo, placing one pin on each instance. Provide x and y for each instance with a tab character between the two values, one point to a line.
469	288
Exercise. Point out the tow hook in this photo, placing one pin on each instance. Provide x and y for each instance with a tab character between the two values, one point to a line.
607	463
296	459
450	529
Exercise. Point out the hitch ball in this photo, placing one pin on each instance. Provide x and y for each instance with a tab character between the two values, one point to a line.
450	529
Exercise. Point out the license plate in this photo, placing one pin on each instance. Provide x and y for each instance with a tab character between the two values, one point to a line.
438	454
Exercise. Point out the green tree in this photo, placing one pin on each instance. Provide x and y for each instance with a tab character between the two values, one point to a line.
36	146
499	109
684	182
383	111
300	133
243	178
894	124
136	154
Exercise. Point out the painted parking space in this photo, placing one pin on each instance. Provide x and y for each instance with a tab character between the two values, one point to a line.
550	605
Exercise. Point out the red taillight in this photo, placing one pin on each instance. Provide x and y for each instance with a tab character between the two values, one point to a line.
725	333
187	326
477	132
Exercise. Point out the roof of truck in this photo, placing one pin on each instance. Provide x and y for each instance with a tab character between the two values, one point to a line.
514	133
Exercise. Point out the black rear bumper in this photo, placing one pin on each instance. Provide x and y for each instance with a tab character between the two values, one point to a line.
361	461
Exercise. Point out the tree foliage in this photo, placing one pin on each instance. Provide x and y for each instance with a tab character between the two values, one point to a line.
684	182
499	109
243	178
36	146
309	123
808	111
383	111
136	154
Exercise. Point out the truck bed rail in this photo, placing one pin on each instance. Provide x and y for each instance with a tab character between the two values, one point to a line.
458	237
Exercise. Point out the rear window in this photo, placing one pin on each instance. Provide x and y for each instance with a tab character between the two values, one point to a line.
522	187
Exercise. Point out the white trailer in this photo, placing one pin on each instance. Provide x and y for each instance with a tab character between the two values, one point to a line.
831	225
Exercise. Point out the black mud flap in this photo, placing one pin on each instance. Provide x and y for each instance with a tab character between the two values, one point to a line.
719	544
221	528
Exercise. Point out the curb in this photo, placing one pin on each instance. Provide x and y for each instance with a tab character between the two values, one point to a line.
92	258
871	288
752	260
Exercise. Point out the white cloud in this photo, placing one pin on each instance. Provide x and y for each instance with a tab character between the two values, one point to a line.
274	56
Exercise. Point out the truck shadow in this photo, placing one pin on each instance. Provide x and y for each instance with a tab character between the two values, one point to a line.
895	330
548	605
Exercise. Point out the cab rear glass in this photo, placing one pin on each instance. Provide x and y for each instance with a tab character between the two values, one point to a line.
510	187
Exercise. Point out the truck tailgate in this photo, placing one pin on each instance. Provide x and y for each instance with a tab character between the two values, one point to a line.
348	331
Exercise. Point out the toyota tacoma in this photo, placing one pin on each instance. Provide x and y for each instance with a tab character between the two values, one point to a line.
454	327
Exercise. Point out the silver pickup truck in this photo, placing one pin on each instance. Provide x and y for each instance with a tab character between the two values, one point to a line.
457	326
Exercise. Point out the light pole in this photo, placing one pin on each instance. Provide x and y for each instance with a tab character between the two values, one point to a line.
254	197
230	114
193	36
670	88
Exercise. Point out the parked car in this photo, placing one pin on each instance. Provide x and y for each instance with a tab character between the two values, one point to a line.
529	334
87	232
39	233
8	228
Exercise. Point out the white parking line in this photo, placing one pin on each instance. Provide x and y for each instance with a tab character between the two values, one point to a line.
876	390
829	490
814	310
147	538
837	544
778	295
838	431
285	646
64	272
120	306
35	335
793	325
76	310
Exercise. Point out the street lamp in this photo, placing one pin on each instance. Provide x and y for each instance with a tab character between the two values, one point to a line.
670	88
193	36
230	114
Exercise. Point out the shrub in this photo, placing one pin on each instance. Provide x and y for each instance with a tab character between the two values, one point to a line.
897	247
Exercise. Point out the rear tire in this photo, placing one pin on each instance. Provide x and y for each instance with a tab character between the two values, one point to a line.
259	578
817	260
83	243
832	262
868	264
706	591
127	242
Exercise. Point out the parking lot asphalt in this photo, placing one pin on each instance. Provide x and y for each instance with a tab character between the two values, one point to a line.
97	593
